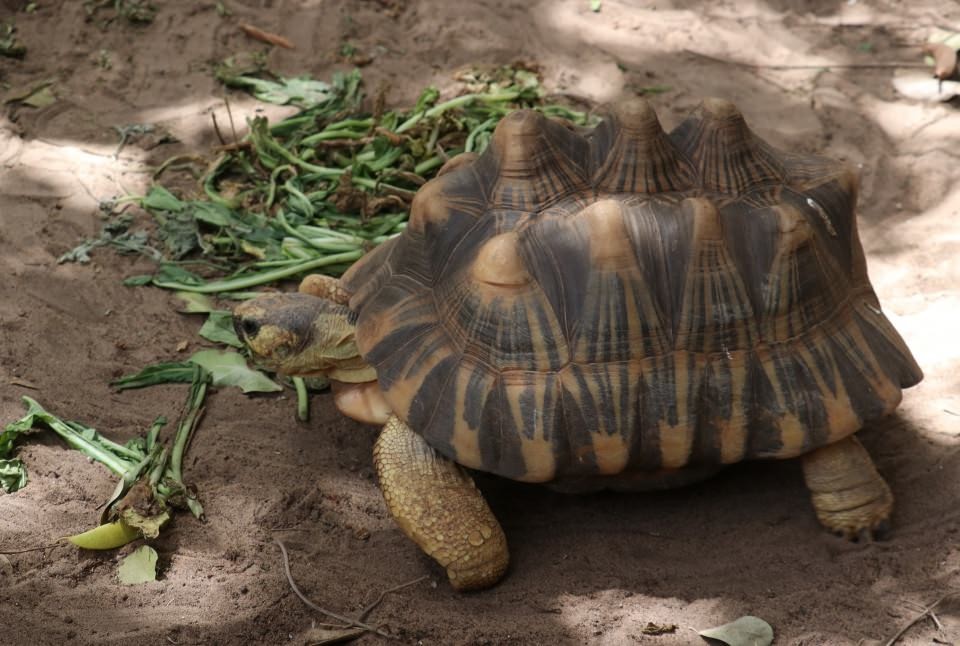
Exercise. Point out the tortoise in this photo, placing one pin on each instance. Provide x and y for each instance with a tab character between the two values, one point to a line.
615	308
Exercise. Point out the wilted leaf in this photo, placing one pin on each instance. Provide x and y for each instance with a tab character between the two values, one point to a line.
149	526
299	91
230	369
160	199
138	281
745	631
194	303
219	329
159	373
13	475
138	567
105	537
32	95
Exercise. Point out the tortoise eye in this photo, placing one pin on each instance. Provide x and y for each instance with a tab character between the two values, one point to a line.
250	328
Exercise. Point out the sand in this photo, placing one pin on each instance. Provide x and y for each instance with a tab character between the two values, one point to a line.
586	569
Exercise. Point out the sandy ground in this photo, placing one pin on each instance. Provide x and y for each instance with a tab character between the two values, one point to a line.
586	570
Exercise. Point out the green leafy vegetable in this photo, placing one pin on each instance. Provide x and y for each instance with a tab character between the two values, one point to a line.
315	191
297	91
116	234
219	329
151	474
140	566
13	475
230	369
160	373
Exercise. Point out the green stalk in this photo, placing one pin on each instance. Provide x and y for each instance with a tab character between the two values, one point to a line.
332	134
75	440
272	185
428	165
472	137
154	432
246	282
185	428
159	467
303	399
466	99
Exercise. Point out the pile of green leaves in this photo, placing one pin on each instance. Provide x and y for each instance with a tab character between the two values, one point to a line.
314	192
150	471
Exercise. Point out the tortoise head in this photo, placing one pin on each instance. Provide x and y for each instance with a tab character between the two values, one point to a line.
302	335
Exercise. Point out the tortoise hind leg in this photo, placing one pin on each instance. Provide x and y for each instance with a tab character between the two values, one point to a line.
437	505
849	496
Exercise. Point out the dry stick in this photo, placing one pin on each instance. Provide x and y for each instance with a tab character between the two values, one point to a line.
884	65
926	611
233	128
216	129
266	36
936	620
303	598
30	549
372	606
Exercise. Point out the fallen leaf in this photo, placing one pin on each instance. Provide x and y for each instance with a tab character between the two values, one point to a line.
745	631
139	566
24	94
194	303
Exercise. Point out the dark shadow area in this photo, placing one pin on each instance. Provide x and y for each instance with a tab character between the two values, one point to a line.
585	569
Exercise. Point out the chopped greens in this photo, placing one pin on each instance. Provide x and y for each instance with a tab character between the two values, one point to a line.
315	191
151	473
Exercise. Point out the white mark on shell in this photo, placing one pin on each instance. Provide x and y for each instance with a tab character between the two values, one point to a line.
823	216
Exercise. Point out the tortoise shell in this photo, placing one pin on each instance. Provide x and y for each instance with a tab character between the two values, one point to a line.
571	305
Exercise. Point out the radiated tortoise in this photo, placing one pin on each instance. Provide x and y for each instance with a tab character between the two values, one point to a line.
623	308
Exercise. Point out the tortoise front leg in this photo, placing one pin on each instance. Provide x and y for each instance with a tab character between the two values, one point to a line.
849	496
437	505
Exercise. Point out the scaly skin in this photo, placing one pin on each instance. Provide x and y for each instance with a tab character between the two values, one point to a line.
849	496
326	287
437	505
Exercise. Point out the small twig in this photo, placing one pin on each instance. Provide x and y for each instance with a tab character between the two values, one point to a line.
216	129
926	611
229	148
26	384
817	66
266	36
936	621
233	128
30	549
379	600
304	599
